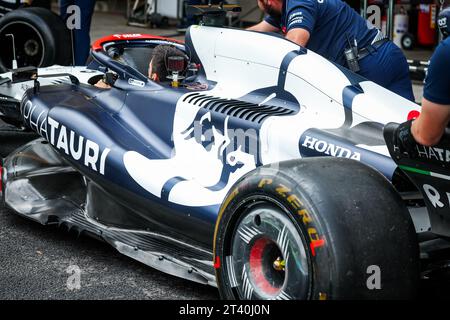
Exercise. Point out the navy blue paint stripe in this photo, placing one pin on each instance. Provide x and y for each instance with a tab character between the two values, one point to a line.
225	177
285	65
168	186
348	95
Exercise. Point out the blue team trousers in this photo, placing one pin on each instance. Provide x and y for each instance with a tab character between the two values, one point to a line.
82	40
387	66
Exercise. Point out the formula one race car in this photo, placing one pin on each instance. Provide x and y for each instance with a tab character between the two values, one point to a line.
264	172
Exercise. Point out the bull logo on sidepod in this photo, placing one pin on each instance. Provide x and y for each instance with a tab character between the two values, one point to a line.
207	159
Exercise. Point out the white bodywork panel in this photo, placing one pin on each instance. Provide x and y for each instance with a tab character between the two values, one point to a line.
17	90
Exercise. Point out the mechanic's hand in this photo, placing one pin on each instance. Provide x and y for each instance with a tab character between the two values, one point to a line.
404	140
102	84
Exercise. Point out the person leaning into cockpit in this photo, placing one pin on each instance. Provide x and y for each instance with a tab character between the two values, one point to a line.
157	68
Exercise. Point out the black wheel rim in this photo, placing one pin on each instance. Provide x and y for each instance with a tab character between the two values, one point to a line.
268	258
29	45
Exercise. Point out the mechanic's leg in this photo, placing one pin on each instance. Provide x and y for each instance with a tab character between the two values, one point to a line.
388	68
401	84
63	5
82	38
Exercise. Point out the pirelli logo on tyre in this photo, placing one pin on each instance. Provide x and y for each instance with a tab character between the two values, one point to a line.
294	201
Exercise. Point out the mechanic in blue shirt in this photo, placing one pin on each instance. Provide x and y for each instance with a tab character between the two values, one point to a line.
157	67
329	27
429	127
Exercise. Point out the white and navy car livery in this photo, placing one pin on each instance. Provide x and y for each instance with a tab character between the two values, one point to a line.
147	167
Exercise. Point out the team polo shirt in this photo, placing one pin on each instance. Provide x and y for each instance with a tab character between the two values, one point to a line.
437	82
329	22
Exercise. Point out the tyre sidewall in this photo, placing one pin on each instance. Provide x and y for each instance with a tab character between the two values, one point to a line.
355	221
50	29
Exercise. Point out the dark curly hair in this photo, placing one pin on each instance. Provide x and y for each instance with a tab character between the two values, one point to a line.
159	59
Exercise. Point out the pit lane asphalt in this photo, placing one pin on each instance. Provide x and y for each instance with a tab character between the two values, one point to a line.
34	260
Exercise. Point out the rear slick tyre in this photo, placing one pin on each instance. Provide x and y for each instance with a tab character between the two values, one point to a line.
318	228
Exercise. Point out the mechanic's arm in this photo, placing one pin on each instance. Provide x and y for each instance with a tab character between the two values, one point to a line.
299	36
263	26
301	19
429	127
